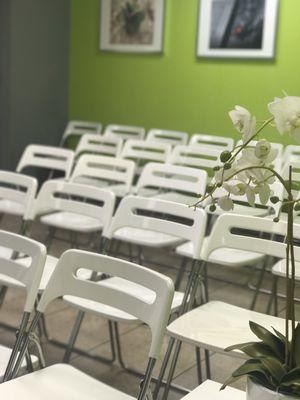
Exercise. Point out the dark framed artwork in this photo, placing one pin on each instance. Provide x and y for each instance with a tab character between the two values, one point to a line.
237	28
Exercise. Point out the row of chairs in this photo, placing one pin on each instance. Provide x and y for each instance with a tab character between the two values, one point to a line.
200	326
126	132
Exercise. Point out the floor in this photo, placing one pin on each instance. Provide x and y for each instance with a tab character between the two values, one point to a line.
93	336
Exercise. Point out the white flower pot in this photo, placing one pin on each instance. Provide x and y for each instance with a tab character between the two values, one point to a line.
258	392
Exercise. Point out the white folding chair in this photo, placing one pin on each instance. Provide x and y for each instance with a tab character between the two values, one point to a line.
291	153
197	157
93	143
144	222
17	193
215	326
114	173
47	157
142	152
68	382
215	141
125	132
12	275
80	128
171	182
167	136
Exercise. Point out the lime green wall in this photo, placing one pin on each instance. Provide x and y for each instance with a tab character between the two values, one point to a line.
176	90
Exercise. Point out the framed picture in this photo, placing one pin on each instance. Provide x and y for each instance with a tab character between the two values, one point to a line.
132	25
237	28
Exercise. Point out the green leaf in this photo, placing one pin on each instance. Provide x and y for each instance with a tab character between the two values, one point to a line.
268	338
229	381
274	367
280	335
254	349
291	378
248	367
296	340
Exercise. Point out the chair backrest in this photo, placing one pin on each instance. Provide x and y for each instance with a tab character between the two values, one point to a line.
79	128
161	216
28	275
52	158
143	151
56	195
173	178
167	136
245	233
156	314
214	141
198	157
109	169
97	144
291	153
125	132
18	188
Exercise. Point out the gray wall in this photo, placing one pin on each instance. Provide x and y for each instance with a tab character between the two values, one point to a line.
34	75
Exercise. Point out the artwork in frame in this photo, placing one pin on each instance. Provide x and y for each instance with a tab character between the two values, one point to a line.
132	25
237	28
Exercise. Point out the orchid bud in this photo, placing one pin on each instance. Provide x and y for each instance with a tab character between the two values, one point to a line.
262	148
209	188
225	156
274	199
227	166
217	168
297	207
276	219
212	208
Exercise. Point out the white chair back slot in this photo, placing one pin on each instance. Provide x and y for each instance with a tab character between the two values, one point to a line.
125	132
197	157
160	216
79	128
225	234
97	144
29	276
143	151
65	282
18	188
114	170
173	178
53	158
214	141
86	200
291	153
167	136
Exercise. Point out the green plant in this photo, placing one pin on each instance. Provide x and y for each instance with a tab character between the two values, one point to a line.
248	170
132	16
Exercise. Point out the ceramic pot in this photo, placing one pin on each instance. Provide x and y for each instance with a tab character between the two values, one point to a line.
258	392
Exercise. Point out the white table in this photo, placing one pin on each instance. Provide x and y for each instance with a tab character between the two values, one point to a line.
210	390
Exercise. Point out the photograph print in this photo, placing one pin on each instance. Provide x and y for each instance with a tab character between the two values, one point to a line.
237	28
132	25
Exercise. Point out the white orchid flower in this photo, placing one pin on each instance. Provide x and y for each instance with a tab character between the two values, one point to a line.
262	149
225	203
286	112
243	121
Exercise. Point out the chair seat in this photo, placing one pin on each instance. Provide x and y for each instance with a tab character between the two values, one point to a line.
5	353
113	313
217	325
279	269
119	190
72	221
226	256
177	198
48	270
59	382
11	207
145	237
